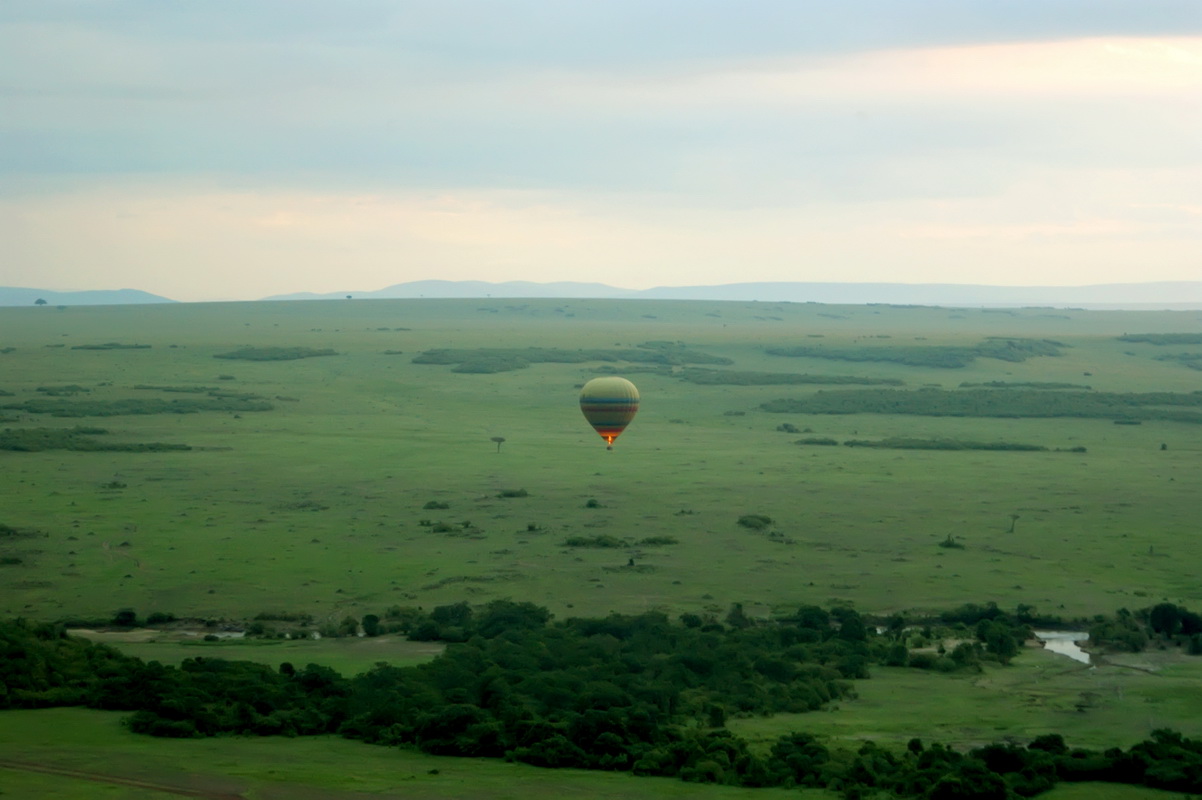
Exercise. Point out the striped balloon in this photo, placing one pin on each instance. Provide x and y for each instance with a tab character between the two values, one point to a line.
609	404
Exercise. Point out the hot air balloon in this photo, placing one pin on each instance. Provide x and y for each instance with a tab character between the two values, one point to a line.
609	404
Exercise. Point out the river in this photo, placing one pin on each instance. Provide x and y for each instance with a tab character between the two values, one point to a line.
1065	643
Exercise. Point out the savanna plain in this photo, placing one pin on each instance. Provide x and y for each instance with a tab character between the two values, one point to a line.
272	481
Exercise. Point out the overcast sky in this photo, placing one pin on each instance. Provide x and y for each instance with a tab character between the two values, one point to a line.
228	149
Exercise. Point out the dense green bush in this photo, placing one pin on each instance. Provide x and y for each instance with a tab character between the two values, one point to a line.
944	356
632	693
499	359
724	377
989	403
31	440
139	406
905	443
274	353
1162	338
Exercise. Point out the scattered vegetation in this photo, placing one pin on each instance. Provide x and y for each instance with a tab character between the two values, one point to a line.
137	406
945	356
180	389
755	522
905	443
496	359
274	353
69	390
513	493
822	441
110	346
1190	360
988	403
32	440
1162	339
602	541
1025	385
725	377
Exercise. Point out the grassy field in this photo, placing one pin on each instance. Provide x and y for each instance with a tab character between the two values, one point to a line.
348	655
326	768
1117	703
315	506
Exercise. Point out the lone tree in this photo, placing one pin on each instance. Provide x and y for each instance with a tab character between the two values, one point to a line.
39	302
1013	519
499	440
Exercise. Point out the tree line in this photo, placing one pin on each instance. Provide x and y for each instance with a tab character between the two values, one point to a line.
638	693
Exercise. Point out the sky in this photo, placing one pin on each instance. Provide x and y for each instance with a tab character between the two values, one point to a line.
232	150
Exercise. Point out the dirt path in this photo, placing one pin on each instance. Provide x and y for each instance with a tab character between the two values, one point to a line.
97	777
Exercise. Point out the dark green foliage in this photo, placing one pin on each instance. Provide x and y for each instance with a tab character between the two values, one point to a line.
903	443
150	405
1024	385
499	359
755	521
657	541
1121	632
988	403
1162	338
602	541
824	441
1191	360
620	693
436	504
592	502
178	389
274	353
945	356
724	377
111	346
513	493
30	440
62	391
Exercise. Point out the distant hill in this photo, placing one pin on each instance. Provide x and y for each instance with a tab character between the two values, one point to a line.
460	289
13	296
1168	294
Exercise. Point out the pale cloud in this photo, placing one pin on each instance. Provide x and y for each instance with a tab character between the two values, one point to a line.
234	150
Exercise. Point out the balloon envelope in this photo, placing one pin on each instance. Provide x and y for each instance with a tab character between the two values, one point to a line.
609	404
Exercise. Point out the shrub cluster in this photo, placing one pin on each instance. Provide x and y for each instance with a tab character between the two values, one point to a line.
32	440
274	353
139	406
988	403
906	443
1162	338
944	356
111	346
728	377
500	359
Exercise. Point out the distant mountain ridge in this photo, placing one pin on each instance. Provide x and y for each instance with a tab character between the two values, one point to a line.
1180	295
1165	294
16	296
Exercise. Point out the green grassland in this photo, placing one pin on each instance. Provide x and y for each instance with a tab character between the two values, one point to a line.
315	505
1115	703
310	499
272	768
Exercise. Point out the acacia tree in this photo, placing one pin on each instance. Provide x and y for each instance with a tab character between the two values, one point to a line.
39	302
499	440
